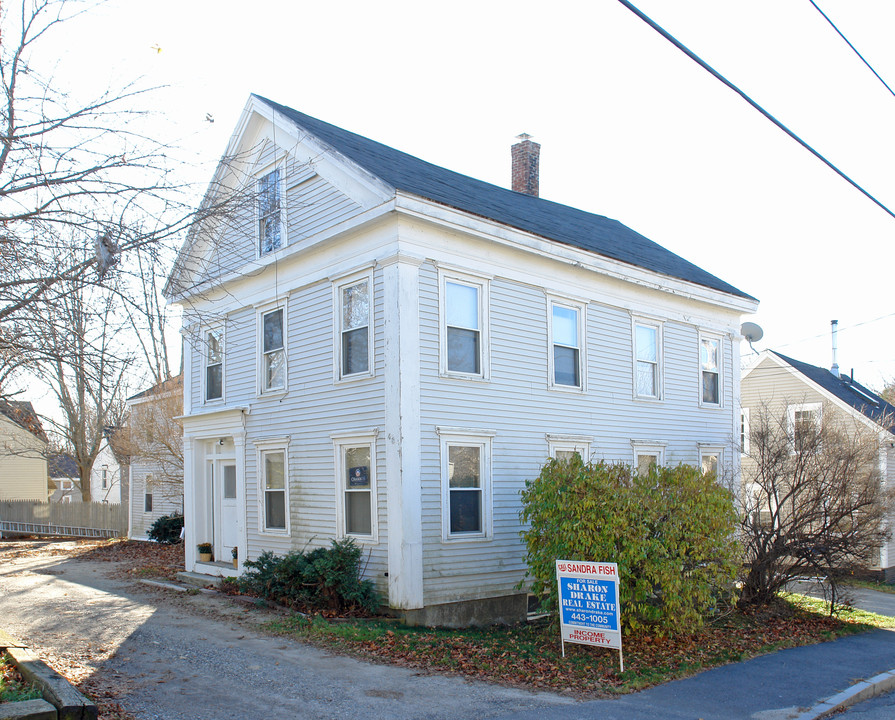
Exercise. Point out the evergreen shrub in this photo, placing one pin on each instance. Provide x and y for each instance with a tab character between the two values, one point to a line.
167	529
320	579
671	531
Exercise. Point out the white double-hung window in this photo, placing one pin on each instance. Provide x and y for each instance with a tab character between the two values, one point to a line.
270	226
566	353
647	453
274	488
214	365
273	350
804	424
566	447
356	485
354	327
710	370
466	483
464	328
647	359
710	459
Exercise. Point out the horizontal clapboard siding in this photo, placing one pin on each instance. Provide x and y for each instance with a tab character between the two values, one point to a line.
313	408
518	406
309	205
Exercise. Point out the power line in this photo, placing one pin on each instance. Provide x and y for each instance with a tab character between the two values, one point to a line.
708	68
833	25
841	329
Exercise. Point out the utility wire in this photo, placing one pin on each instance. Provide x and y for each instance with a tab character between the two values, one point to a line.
693	56
842	329
833	25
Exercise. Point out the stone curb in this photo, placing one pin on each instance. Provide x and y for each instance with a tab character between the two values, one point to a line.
69	703
864	690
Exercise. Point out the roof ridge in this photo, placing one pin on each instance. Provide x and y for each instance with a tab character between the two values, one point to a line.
549	219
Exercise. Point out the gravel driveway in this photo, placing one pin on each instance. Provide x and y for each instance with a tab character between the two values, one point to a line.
162	654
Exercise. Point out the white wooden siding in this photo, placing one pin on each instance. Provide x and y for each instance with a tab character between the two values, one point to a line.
309	205
311	410
518	405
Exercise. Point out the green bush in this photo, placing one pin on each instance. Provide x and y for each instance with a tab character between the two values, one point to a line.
671	531
321	579
167	529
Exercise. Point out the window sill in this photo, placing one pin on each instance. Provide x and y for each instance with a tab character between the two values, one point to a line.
464	377
652	400
354	378
273	394
471	538
572	389
275	533
361	539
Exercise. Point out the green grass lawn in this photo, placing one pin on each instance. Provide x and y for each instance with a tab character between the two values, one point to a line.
12	689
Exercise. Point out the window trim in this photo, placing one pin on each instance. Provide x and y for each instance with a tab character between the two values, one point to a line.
341	442
338	285
280	166
581	309
261	312
659	326
791	410
648	447
466	437
575	443
261	450
710	336
220	330
745	431
712	449
483	285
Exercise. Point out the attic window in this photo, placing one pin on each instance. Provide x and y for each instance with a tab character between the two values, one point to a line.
269	222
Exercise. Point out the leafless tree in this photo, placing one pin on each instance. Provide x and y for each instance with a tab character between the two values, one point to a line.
82	361
813	502
83	187
153	435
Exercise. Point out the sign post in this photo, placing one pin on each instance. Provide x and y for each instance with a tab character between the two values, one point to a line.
589	609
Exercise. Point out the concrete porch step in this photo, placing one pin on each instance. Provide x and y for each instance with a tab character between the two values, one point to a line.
198	579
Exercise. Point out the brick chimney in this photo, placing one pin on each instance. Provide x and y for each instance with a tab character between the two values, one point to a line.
526	163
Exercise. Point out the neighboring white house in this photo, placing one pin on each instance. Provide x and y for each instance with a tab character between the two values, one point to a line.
155	444
380	348
23	453
776	383
109	473
63	470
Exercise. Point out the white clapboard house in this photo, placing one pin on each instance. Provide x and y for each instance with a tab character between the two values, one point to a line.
381	348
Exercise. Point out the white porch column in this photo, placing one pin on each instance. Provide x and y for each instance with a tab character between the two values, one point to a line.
189	504
402	431
239	441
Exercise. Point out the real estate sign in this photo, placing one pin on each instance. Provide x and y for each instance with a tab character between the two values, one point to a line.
589	609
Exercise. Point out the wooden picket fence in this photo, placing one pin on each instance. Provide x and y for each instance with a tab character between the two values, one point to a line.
77	519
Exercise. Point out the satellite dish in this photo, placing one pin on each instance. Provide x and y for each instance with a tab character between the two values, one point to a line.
752	332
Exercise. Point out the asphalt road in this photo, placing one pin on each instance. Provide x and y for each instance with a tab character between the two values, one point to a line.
190	657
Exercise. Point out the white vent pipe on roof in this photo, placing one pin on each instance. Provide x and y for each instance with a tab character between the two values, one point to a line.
835	368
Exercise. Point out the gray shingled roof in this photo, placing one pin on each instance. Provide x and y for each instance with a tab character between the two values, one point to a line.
862	399
550	220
